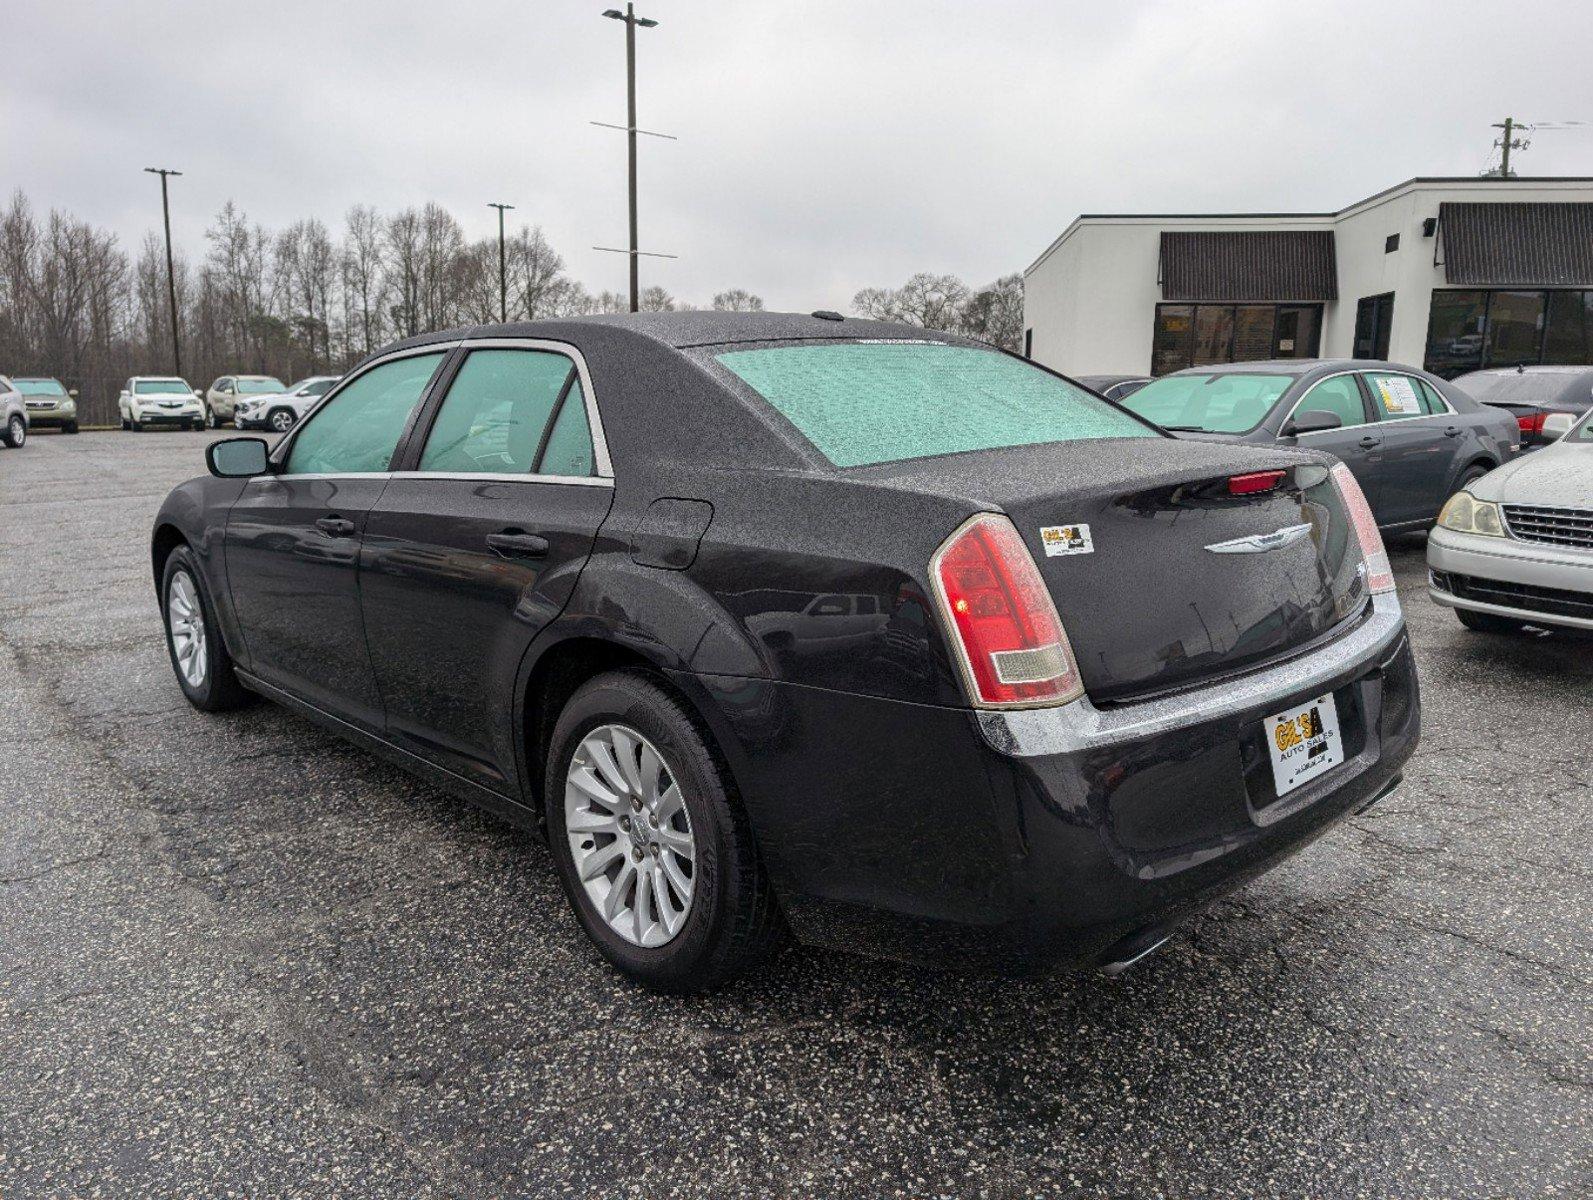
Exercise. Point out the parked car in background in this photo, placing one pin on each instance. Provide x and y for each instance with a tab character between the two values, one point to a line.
1531	395
1113	387
495	556
280	411
223	396
1516	547
159	400
1409	438
50	405
13	415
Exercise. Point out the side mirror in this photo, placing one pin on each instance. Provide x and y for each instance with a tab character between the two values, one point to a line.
1315	420
1557	425
72	392
237	458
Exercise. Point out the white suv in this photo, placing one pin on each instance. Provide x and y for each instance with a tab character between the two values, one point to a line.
158	400
222	399
281	411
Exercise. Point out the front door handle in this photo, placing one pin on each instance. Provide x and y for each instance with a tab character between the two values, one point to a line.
514	543
1368	442
335	527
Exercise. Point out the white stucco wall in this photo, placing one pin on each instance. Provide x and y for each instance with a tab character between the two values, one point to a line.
1091	297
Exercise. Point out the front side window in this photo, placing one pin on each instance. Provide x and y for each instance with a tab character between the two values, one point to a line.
514	412
877	402
1212	403
1340	395
357	430
1396	397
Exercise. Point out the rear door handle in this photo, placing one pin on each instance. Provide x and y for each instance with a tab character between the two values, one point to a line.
335	527
1369	442
516	544
1453	431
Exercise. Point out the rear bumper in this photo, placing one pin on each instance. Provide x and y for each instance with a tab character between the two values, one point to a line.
1508	577
1071	836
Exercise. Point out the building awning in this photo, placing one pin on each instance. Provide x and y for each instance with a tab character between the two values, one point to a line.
1272	265
1510	243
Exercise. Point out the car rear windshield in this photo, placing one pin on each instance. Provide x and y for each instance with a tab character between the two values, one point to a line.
161	387
1572	389
258	387
861	403
39	387
1211	403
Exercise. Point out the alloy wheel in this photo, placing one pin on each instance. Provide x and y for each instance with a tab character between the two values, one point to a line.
19	431
630	835
186	619
281	420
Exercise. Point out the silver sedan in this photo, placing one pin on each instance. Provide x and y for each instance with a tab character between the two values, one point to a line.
1516	546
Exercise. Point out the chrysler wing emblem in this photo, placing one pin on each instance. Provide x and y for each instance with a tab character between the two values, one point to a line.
1260	543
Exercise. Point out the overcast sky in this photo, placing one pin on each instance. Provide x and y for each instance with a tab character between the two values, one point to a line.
824	146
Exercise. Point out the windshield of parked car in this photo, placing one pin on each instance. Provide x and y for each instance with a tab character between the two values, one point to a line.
39	387
161	387
861	403
1211	403
258	387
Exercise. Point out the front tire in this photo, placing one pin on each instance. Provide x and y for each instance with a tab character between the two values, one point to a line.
16	432
1480	622
199	657
280	420
69	427
652	846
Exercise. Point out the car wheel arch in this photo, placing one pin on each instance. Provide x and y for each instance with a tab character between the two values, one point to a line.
166	538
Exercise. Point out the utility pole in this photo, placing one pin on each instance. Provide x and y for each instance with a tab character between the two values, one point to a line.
1508	143
171	270
503	273
631	22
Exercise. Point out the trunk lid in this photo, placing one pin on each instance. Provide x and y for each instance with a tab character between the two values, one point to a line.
1165	588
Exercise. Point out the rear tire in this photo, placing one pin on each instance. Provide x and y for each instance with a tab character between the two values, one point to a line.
199	657
16	432
1479	622
730	920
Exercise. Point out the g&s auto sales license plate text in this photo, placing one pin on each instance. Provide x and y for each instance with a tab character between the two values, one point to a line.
1304	743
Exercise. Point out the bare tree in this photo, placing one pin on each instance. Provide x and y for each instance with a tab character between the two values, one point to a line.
656	299
363	278
932	301
995	313
737	300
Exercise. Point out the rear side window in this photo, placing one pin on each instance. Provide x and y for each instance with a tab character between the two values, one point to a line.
357	430
512	412
1395	397
866	403
1340	395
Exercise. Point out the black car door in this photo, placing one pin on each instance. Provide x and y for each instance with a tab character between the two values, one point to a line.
293	538
477	545
1357	441
1421	439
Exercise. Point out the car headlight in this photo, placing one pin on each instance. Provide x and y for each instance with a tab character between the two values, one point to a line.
1466	514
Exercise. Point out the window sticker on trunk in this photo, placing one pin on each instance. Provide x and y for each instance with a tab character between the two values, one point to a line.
1066	539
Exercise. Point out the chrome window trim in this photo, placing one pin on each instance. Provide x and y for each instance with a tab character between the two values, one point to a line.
602	464
503	477
283	450
1316	384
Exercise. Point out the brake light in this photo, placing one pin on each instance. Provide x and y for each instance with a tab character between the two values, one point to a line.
1532	422
1379	573
1012	647
1255	482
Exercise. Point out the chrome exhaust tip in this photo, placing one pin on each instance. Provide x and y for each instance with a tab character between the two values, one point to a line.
1116	966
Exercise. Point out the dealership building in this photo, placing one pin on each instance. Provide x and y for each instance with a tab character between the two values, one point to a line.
1450	274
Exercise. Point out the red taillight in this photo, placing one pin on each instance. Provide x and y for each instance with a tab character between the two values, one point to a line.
1256	481
1532	422
1379	574
1013	648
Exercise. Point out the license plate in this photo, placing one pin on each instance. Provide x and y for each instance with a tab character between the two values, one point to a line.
1304	742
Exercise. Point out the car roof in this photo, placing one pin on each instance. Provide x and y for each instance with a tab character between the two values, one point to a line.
160	378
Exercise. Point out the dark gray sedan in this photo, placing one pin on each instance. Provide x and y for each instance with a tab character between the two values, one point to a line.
1410	438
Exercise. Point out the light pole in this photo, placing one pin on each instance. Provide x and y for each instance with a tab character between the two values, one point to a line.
171	270
631	22
503	272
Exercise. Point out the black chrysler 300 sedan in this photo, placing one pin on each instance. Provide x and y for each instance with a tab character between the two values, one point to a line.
885	637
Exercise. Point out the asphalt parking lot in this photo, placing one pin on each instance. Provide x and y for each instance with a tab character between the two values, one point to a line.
238	957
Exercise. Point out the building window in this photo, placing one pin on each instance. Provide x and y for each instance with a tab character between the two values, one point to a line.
1199	335
1374	322
1471	328
1391	243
